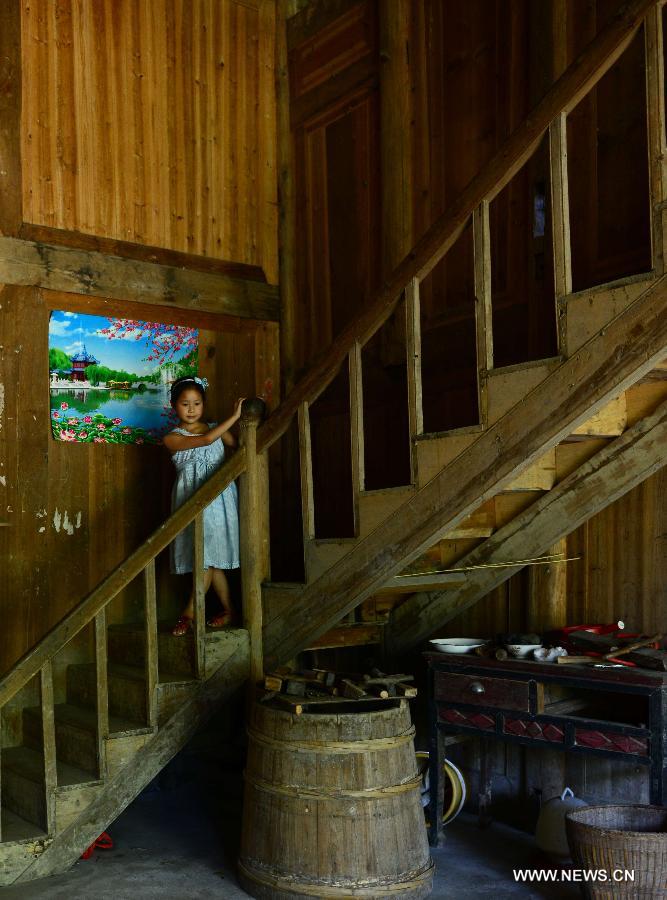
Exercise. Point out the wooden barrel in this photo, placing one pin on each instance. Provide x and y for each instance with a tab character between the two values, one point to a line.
332	805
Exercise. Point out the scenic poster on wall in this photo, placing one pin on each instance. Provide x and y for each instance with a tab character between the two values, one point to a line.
110	378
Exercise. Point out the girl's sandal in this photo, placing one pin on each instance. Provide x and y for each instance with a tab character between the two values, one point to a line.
220	620
182	626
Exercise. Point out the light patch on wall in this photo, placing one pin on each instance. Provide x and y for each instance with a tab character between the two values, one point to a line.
3	480
63	521
2	402
43	528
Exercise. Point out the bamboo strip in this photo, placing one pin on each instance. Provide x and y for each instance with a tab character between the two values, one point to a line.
373	744
268	787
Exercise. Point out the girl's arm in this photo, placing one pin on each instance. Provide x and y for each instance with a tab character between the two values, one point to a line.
175	442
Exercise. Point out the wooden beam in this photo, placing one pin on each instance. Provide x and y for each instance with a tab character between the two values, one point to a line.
30	664
99	275
560	215
619	355
598	57
610	473
11	199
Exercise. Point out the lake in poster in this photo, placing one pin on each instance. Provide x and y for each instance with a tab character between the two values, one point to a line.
110	378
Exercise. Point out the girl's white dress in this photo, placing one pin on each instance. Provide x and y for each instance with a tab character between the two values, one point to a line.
221	516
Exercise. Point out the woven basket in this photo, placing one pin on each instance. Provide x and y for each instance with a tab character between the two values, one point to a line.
616	839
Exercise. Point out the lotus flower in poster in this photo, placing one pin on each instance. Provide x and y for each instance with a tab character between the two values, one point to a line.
110	378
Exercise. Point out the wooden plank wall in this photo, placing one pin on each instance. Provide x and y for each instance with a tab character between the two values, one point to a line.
148	121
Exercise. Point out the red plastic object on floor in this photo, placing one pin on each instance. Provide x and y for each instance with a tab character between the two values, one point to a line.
103	842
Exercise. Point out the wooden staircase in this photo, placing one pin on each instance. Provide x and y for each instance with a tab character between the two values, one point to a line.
556	437
62	781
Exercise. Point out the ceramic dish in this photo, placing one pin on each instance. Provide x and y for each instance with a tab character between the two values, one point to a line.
522	650
456	645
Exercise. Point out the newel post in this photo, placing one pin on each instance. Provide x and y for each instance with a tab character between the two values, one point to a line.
254	532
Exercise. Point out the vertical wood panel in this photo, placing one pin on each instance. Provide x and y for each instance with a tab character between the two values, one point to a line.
10	117
151	121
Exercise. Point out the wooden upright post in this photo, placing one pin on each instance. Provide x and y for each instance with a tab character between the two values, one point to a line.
547	598
254	533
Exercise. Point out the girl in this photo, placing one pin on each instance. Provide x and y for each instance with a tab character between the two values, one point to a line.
197	450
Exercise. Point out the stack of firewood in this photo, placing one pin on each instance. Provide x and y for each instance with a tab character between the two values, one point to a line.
310	686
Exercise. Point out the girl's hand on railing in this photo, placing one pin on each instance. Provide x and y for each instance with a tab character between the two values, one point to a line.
237	409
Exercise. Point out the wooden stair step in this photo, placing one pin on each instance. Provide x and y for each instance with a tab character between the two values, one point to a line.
17	830
375	506
23	784
509	385
322	554
76	733
279	596
176	655
435	451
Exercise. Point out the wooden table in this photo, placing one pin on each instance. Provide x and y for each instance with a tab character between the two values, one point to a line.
615	713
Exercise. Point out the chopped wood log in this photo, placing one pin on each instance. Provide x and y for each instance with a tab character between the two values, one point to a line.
378	691
406	690
501	654
387	679
351	690
295	687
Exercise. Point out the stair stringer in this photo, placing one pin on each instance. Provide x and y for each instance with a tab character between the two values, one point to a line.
610	362
64	848
611	472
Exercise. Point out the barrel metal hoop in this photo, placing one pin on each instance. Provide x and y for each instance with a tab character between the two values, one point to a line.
373	744
290	886
309	793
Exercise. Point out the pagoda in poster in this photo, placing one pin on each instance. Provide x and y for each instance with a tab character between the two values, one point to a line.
80	362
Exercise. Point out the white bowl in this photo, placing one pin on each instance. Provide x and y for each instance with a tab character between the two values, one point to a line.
456	645
522	650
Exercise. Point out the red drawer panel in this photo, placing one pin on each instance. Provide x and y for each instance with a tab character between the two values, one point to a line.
483	721
538	731
501	693
610	740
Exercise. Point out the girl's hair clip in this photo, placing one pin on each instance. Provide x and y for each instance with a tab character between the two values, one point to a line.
202	382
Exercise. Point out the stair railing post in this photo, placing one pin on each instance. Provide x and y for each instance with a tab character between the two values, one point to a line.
199	621
356	426
254	533
102	689
483	312
655	120
413	347
152	672
49	743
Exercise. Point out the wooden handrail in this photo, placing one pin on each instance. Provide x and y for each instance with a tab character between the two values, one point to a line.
31	663
596	59
600	54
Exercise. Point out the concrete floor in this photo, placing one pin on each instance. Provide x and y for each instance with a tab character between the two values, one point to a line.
179	839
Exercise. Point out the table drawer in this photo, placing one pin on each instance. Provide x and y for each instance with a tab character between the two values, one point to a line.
502	693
